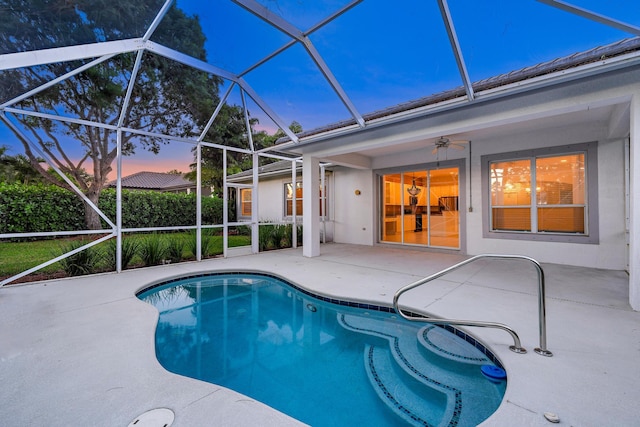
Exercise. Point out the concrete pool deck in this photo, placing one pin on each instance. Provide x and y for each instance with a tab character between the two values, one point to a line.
80	351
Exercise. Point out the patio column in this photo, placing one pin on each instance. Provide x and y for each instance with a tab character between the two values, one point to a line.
310	206
255	220
634	204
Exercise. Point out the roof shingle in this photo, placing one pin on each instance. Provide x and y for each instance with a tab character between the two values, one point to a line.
154	181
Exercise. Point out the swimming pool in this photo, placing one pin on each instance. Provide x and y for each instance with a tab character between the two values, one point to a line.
322	361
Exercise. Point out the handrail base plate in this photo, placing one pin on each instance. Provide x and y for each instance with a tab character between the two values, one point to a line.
519	350
542	352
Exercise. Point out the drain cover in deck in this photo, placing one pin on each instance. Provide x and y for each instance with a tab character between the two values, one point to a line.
160	417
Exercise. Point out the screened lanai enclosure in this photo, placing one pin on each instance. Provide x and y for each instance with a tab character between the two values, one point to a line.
232	86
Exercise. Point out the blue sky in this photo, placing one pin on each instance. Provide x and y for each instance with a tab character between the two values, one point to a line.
382	52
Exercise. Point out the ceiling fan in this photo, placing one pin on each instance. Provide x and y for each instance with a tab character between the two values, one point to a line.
444	142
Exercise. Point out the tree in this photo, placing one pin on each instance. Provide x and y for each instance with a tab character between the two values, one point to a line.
17	168
230	129
168	97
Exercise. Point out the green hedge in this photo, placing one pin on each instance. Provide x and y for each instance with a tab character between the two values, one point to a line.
39	208
154	209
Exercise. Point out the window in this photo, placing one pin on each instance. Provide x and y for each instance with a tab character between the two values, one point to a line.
245	202
288	191
543	194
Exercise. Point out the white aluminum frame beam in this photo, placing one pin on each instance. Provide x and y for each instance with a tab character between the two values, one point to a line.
602	19
130	86
208	68
268	57
267	110
199	201
157	20
306	33
190	61
281	24
119	237
246	121
56	259
59	118
255	203
123	129
333	16
57	80
106	50
216	112
455	45
32	58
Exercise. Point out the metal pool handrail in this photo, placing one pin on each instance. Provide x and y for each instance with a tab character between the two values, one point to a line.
516	347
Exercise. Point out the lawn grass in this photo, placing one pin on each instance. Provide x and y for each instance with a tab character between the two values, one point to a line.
20	256
16	257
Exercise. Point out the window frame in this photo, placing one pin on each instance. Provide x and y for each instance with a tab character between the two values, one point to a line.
242	202
591	235
286	200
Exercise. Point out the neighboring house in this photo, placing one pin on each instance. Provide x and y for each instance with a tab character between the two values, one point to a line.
276	196
541	163
161	182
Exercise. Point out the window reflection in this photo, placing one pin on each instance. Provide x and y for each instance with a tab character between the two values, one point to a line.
555	204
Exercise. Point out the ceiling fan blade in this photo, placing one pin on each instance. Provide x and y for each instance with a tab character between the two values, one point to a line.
434	151
456	146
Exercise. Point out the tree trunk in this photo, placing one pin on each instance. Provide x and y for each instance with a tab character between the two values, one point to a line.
91	217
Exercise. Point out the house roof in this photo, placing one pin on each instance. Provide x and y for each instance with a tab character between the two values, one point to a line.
575	60
154	181
275	168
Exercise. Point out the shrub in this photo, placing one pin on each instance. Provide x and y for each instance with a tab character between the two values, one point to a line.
288	242
212	209
129	250
264	238
142	209
205	243
278	234
152	249
175	247
42	208
83	262
39	208
243	230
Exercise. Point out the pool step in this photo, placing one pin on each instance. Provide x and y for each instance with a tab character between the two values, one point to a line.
446	344
400	338
462	381
414	403
456	374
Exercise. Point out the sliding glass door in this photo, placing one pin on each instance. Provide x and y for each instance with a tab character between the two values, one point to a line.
421	208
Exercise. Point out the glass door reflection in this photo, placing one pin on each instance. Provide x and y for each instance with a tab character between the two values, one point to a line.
444	218
421	208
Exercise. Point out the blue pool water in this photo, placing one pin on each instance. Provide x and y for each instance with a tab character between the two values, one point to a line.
322	363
